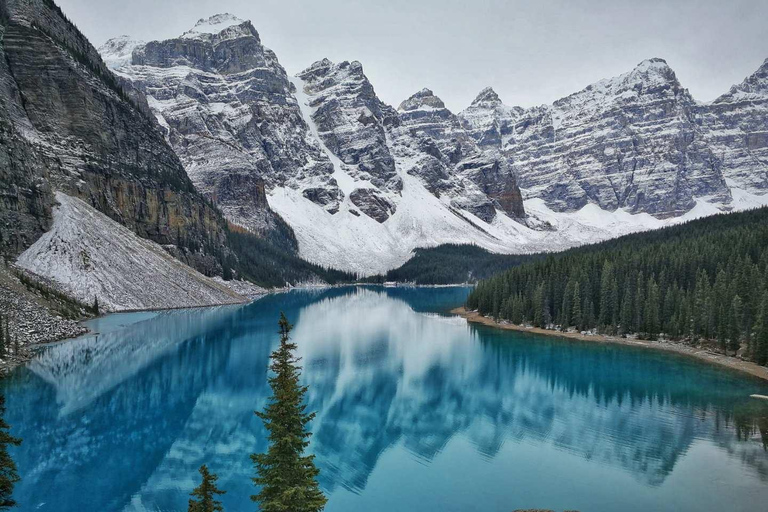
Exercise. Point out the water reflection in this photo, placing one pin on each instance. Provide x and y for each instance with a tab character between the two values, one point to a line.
133	411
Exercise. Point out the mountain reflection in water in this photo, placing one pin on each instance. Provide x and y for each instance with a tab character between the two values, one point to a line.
406	396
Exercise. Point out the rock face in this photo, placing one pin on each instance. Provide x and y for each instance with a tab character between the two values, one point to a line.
68	124
351	121
229	112
736	129
632	142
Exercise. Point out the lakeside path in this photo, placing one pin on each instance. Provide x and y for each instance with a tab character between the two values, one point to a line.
701	354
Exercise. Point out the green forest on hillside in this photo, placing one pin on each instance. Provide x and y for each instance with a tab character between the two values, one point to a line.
703	280
451	264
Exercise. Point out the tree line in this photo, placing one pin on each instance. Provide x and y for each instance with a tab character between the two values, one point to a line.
451	264
705	280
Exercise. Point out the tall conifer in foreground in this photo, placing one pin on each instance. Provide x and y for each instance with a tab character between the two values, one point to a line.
8	473
206	493
286	476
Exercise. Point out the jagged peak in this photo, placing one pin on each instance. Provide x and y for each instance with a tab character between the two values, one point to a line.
216	24
316	66
754	87
649	74
487	96
424	99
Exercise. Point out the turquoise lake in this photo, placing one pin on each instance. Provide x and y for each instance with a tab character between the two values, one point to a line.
416	411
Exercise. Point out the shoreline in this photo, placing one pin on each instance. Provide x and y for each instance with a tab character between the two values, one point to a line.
703	355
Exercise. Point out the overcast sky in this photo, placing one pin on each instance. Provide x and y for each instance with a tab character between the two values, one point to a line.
530	52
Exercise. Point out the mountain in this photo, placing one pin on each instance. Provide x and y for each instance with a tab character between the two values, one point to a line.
633	142
736	127
363	184
89	184
360	183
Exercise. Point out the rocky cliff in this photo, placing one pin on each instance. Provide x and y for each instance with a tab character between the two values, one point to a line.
736	129
228	110
68	124
633	142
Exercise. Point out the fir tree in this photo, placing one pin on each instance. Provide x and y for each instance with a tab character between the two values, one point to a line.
8	473
576	317
735	324
761	333
286	476
204	495
95	307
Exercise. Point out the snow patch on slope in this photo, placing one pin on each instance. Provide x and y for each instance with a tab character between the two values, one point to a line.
345	182
90	255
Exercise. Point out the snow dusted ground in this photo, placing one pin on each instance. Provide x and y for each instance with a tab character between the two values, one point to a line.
90	255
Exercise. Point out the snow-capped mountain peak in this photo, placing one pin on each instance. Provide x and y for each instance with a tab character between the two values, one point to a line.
754	87
487	97
217	24
425	99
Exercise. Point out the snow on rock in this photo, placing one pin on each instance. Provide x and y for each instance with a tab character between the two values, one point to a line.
631	141
229	112
737	131
216	24
118	51
91	256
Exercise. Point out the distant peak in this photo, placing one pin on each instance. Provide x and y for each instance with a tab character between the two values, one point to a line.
654	63
425	98
220	21
487	96
213	25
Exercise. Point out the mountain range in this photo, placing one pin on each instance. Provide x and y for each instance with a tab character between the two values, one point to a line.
187	140
362	183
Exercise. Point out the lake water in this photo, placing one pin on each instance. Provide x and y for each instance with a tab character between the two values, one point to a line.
416	411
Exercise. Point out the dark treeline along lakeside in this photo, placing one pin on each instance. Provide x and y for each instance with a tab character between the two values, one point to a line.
706	280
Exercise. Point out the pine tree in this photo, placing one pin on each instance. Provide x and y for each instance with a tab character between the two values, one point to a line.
8	473
626	311
576	316
287	477
735	324
95	307
206	493
761	333
607	303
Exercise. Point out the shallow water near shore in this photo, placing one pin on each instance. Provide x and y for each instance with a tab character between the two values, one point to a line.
416	410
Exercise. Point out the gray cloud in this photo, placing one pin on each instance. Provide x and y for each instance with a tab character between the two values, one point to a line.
531	52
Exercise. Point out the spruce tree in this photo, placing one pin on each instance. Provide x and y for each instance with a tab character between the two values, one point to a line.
286	476
204	495
760	355
735	324
8	473
576	316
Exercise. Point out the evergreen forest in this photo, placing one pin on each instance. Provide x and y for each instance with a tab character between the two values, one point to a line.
702	281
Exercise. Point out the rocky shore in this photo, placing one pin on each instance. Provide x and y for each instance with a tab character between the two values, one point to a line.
32	318
700	353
